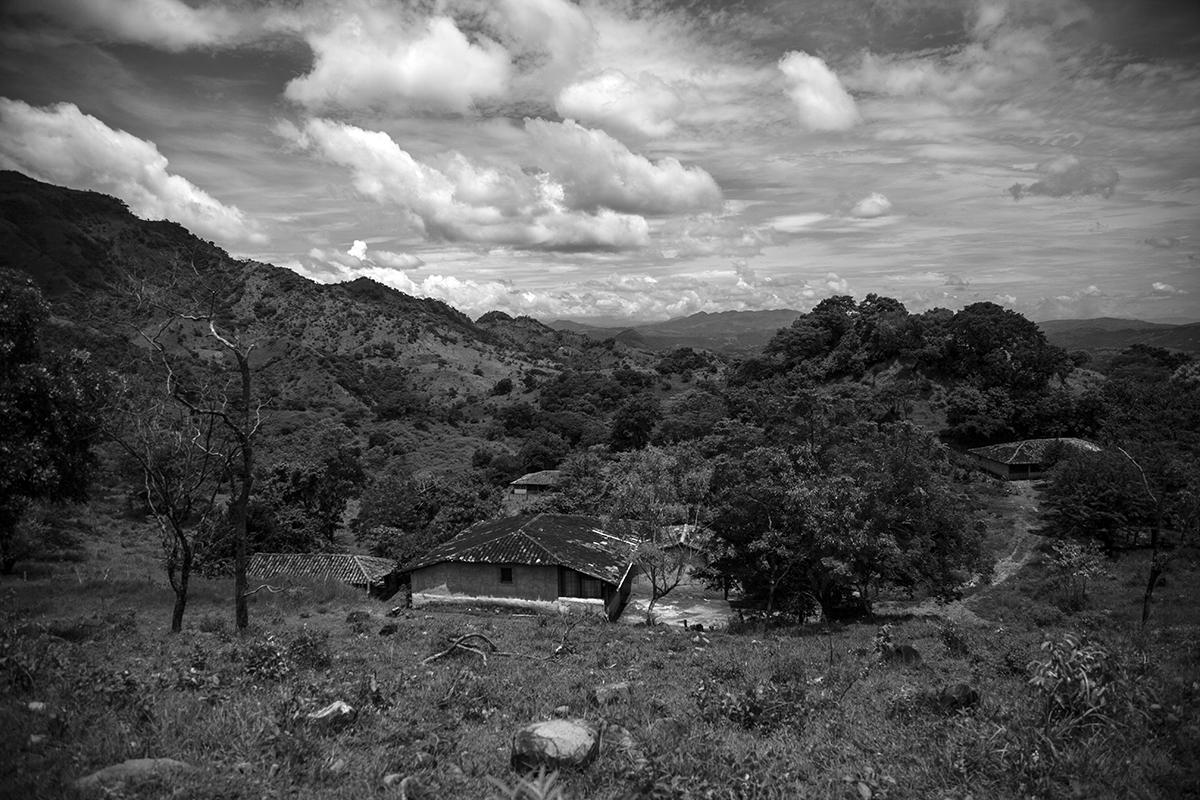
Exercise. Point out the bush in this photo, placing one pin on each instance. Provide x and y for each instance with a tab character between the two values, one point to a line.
309	649
1074	683
266	658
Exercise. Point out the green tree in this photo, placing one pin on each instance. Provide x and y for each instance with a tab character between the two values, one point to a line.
634	422
47	404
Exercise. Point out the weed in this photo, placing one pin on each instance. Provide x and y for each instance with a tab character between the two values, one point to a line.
1074	683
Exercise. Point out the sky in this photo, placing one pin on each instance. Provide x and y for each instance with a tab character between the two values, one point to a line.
623	161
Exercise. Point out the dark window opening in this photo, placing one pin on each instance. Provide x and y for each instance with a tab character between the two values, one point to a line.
506	574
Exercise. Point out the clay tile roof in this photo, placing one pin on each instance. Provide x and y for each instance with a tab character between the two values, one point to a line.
547	477
580	543
345	567
1029	451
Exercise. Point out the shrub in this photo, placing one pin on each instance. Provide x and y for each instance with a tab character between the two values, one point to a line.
309	649
266	658
1074	683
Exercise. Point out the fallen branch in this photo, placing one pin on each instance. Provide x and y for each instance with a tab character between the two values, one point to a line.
460	644
270	589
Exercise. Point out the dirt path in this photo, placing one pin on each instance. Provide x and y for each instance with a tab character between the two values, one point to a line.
1018	512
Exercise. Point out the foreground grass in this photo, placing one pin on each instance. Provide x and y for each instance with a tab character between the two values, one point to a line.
778	714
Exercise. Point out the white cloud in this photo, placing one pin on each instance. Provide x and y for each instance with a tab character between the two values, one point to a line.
167	24
1165	288
1067	176
548	38
822	103
643	105
375	58
63	145
385	258
467	202
597	171
872	206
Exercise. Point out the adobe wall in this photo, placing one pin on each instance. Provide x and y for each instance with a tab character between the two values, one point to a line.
483	580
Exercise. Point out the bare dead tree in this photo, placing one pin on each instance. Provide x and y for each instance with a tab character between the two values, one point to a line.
182	459
220	403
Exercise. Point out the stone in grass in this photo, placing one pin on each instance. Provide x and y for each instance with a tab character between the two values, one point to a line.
357	616
334	716
555	744
618	741
562	712
389	629
608	693
957	697
113	777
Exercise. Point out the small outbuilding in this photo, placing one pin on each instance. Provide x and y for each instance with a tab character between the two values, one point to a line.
1026	459
378	576
550	560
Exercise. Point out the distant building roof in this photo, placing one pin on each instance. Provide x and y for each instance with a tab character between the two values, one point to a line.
547	477
580	543
1030	451
344	567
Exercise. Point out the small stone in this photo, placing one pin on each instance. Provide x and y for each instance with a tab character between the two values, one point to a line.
336	715
37	706
37	739
357	616
117	775
667	729
562	712
389	629
620	741
337	766
957	697
607	693
554	744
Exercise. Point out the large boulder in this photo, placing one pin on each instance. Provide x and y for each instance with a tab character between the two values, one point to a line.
114	777
555	744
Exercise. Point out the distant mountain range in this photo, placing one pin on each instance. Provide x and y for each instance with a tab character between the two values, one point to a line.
746	332
1108	333
731	332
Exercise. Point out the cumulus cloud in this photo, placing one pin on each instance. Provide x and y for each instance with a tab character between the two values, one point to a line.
464	201
385	258
712	234
822	103
375	57
1165	288
597	171
643	105
872	206
1068	176
1163	242
549	39
61	144
166	24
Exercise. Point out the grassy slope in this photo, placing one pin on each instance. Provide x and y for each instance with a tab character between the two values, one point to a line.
781	714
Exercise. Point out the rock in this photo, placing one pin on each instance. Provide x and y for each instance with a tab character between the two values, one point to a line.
37	707
337	766
389	629
37	739
334	716
905	655
607	693
357	616
115	776
392	779
620	742
562	712
667	729
957	697
554	744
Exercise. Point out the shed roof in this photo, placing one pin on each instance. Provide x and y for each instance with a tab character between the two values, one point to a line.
546	477
580	543
345	567
1030	451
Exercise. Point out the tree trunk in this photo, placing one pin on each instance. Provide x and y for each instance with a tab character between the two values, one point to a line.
181	596
1156	571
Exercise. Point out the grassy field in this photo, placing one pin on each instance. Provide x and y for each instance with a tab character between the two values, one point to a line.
751	713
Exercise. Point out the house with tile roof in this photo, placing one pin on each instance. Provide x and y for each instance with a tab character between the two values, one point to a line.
547	560
1026	459
378	576
530	487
